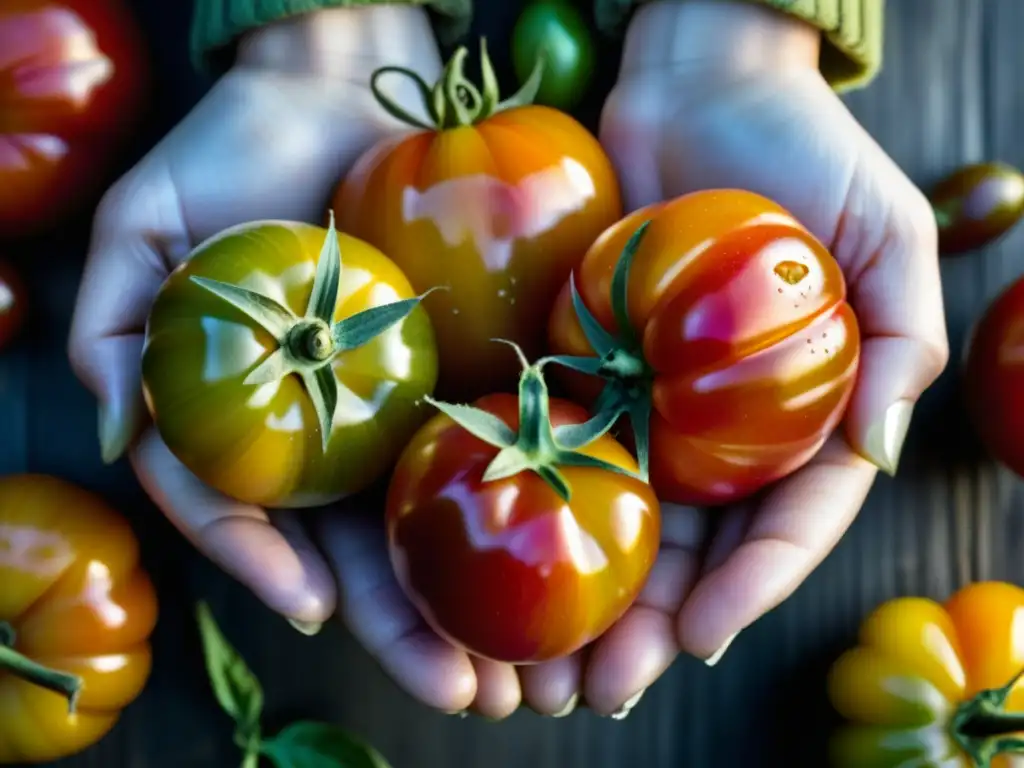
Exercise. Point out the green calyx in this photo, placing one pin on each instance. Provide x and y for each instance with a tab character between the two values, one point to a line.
454	101
538	446
620	359
11	661
983	728
308	345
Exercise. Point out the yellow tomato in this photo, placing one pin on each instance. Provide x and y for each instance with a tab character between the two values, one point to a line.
934	685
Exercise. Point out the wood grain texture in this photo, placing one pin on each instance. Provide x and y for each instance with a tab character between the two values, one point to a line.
948	94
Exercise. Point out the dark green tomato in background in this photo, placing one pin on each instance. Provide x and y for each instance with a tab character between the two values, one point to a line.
558	29
976	205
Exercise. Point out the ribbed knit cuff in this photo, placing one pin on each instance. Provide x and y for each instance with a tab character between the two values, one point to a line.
217	24
852	33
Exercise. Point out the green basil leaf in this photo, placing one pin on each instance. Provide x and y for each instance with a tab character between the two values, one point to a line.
318	745
237	689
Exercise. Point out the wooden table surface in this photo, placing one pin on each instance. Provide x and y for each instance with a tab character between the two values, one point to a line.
946	96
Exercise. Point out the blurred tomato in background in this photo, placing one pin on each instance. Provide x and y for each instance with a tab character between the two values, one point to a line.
73	77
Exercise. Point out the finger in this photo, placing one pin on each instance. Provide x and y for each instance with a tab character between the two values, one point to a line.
552	688
896	292
497	689
137	233
683	533
794	528
282	567
628	658
378	614
733	525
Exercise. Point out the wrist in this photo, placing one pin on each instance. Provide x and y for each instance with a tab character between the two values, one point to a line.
734	35
341	42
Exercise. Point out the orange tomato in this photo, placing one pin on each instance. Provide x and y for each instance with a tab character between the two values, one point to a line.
497	203
76	612
731	345
934	685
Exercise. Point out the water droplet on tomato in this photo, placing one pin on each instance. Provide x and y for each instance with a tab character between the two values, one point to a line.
791	271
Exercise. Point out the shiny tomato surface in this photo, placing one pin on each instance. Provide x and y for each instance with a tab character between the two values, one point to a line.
745	331
76	599
994	377
262	443
72	81
917	665
12	303
499	212
506	568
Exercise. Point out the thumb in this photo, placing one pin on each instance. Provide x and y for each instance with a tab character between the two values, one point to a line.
896	292
138	234
630	135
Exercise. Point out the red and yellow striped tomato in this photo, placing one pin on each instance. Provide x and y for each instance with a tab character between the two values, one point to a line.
935	685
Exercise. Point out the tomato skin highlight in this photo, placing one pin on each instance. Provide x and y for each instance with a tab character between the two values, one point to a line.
559	29
994	377
74	593
743	319
12	303
500	212
918	662
74	75
505	568
262	443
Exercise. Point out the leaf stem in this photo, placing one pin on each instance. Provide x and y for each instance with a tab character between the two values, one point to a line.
66	684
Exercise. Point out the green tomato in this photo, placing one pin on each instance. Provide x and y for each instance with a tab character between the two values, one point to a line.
557	28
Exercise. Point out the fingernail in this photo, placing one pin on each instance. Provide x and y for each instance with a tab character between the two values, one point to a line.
717	655
569	708
622	712
115	433
308	628
884	440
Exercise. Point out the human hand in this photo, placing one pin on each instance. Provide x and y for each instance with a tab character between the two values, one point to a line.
729	95
270	140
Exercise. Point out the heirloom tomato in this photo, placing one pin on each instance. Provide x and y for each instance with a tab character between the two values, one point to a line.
934	685
72	78
994	377
976	205
721	328
497	201
284	363
76	613
12	303
519	532
556	30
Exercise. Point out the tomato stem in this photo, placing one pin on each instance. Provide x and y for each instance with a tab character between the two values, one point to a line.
308	344
984	729
454	101
538	446
17	664
620	361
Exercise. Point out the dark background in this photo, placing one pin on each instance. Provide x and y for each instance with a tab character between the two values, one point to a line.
946	96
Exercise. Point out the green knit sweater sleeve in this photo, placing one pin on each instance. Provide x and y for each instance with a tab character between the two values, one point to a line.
217	24
851	32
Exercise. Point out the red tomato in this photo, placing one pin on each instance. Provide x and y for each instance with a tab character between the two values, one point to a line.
994	377
12	303
497	204
523	560
72	75
735	349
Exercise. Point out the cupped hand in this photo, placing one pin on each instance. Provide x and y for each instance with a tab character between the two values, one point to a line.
269	141
729	95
